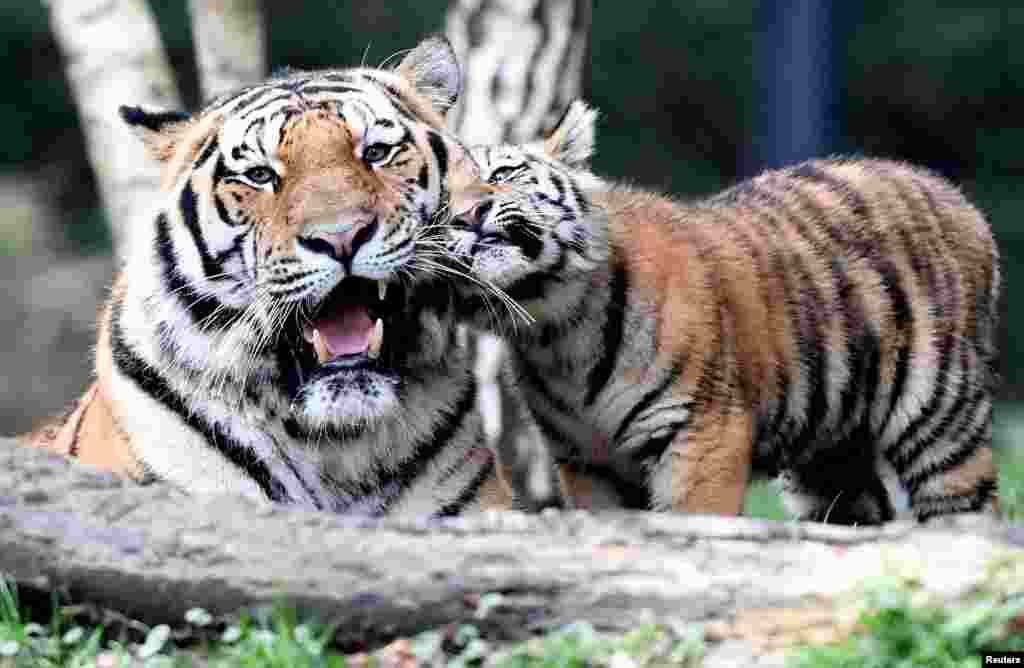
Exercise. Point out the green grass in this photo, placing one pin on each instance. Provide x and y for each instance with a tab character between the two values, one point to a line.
763	501
894	632
276	638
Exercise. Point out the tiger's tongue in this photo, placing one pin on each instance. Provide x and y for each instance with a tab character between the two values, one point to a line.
346	330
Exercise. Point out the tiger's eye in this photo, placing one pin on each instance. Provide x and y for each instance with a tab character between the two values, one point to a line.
260	175
376	152
504	173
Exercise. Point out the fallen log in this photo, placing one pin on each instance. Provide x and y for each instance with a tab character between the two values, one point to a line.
152	553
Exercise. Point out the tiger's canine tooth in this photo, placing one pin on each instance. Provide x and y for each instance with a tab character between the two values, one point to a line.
376	340
382	288
322	353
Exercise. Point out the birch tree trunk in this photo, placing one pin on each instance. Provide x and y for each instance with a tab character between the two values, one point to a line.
114	56
230	44
523	62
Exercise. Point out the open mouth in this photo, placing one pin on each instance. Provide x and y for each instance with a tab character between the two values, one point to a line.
347	330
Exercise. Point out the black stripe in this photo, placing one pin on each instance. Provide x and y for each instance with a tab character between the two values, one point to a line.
190	214
813	172
562	446
155	121
922	268
978	496
245	98
424	453
613	324
753	238
535	286
553	330
149	477
222	211
335	76
283	454
654	394
327	432
985	489
526	235
954	459
581	200
205	310
440	152
265	104
469	493
904	459
152	383
939	390
806	310
849	306
528	374
234	249
211	147
316	89
559	185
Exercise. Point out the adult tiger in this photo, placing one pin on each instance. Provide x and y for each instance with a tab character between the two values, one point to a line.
831	324
263	337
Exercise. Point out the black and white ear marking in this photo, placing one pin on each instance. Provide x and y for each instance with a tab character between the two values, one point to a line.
574	138
433	71
154	121
158	130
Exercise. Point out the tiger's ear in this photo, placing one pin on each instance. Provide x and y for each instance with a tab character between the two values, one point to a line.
574	138
160	131
433	71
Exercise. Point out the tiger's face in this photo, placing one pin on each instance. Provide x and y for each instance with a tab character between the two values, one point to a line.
296	209
522	213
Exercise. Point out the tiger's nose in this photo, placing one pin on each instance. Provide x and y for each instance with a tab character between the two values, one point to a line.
342	246
474	218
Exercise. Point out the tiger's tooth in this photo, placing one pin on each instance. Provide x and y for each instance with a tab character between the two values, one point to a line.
382	289
376	340
322	353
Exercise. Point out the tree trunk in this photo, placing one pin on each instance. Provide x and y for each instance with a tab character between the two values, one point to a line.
230	44
114	56
756	586
523	62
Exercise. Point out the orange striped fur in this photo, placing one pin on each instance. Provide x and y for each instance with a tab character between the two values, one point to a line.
830	325
260	339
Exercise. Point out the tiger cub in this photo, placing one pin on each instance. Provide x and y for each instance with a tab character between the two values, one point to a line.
263	337
830	324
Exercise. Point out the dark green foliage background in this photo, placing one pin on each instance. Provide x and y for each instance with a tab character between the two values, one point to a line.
934	83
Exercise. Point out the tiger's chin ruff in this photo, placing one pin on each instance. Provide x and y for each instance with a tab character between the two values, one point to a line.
356	400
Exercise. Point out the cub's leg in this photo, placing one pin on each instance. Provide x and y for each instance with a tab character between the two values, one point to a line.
944	458
837	484
955	475
527	463
706	467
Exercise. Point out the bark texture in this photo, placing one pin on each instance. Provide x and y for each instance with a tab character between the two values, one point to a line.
230	44
757	586
114	56
523	63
